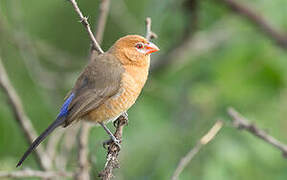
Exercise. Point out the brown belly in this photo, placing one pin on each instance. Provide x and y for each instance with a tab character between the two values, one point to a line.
118	103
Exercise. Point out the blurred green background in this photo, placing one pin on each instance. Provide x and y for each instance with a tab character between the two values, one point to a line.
225	60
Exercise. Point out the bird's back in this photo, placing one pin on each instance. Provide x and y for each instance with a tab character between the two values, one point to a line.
100	80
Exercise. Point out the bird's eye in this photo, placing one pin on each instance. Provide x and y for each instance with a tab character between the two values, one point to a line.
139	46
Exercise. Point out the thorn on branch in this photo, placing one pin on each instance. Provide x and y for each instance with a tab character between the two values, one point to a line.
84	21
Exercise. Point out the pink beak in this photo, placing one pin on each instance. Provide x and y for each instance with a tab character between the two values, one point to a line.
151	48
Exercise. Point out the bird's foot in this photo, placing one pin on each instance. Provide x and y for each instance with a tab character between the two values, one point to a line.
123	119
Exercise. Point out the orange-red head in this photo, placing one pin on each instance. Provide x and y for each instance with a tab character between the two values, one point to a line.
133	49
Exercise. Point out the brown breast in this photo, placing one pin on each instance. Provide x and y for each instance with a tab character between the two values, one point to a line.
133	80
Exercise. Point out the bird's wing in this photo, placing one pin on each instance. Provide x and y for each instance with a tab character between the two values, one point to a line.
99	81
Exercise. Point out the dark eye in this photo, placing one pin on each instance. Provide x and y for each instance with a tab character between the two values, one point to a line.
139	46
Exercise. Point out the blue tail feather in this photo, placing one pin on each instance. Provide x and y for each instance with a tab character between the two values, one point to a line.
65	107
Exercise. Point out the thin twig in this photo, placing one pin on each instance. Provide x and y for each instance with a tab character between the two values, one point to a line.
21	117
242	123
113	150
52	144
103	15
83	161
100	28
254	17
149	34
84	21
34	174
66	147
203	141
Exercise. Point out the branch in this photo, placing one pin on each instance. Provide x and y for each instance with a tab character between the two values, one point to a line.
52	144
242	123
113	150
102	20
66	147
21	117
255	18
203	141
34	174
149	34
103	15
83	161
84	21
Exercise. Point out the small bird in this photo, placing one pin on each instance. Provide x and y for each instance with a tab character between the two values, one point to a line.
107	87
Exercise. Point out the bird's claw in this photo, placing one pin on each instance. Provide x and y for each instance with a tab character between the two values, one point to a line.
110	141
118	144
124	117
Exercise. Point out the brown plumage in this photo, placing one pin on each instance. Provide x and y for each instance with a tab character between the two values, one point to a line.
108	86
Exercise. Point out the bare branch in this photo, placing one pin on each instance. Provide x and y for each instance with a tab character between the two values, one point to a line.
149	34
102	20
66	147
203	141
254	17
51	148
103	15
84	21
83	161
113	150
21	117
242	123
34	174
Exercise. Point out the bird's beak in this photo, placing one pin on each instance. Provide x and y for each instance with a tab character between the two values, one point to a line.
151	48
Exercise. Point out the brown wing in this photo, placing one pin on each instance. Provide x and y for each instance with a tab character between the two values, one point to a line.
100	80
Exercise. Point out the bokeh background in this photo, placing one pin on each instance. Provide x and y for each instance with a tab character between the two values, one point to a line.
216	58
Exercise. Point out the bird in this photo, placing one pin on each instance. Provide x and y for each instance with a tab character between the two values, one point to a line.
106	88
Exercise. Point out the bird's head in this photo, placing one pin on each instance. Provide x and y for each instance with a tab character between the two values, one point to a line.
133	49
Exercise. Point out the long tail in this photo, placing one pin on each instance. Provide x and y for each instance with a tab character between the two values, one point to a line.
59	121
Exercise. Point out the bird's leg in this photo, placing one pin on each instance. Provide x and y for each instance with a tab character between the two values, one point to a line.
113	138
